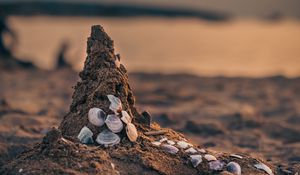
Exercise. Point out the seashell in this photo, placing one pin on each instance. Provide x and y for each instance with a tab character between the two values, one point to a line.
156	143
182	144
234	168
216	165
125	117
170	142
96	116
196	160
201	150
236	156
170	148
264	167
108	138
191	150
85	135
163	139
131	132
210	157
114	123
115	104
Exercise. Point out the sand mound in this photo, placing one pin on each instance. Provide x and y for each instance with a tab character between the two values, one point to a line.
62	153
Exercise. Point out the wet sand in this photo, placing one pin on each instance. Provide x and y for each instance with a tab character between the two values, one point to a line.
259	117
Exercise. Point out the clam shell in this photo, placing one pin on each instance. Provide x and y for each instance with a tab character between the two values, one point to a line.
210	157
234	168
125	117
183	144
201	150
236	156
114	123
191	150
196	160
107	138
156	143
170	142
216	165
264	167
115	103
163	139
96	116
85	135
170	148
131	132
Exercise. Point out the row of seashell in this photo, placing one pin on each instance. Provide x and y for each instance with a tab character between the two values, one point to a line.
196	158
113	122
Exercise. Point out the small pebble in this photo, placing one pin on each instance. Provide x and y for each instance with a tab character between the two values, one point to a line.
191	150
196	160
182	144
264	167
170	148
210	157
20	170
236	156
216	165
234	168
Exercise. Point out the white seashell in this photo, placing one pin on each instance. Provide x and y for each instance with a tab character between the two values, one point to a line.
201	150
163	139
114	123
264	167
170	148
234	168
216	165
196	160
236	156
131	132
108	138
210	157
170	142
182	144
115	104
85	135
156	143
191	150
96	116
125	117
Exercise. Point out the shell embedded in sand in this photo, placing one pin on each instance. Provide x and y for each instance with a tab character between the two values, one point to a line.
170	142
114	123
107	138
156	143
264	167
201	150
196	160
183	144
236	156
125	117
170	148
115	104
85	135
96	116
131	132
163	139
234	168
210	157
191	150
216	165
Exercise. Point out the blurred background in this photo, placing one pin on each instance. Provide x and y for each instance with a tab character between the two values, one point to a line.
225	73
232	38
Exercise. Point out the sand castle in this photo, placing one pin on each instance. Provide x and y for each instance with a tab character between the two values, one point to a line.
105	134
